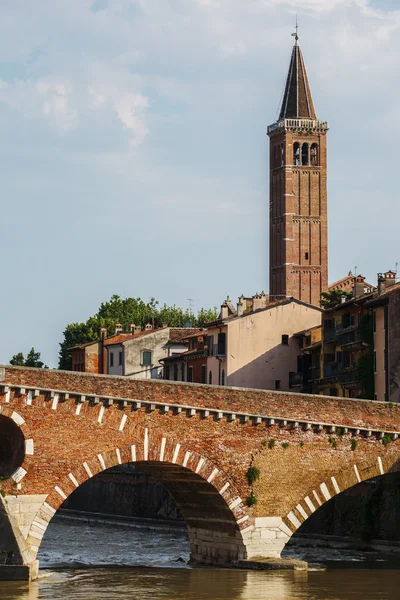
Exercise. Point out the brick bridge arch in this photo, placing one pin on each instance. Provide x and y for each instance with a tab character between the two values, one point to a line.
208	500
79	424
333	485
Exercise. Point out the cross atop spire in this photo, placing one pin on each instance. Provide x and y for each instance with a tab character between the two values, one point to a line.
296	35
297	102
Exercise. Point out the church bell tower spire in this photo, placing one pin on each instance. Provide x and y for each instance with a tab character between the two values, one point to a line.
298	194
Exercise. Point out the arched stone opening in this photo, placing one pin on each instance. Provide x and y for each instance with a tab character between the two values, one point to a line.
12	447
345	481
362	516
213	530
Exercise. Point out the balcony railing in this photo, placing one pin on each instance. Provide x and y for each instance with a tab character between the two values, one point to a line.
299	125
314	374
330	370
329	334
347	377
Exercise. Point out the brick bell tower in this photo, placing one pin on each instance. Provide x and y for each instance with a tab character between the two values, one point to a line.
298	256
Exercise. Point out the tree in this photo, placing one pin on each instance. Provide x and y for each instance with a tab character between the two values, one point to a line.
18	360
127	311
32	360
333	298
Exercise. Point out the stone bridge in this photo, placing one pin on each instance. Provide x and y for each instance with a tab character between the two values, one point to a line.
58	429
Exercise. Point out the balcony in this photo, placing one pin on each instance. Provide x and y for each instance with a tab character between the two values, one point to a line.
298	125
329	334
348	377
314	374
330	370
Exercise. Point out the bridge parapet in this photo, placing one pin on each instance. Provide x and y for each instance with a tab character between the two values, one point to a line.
364	415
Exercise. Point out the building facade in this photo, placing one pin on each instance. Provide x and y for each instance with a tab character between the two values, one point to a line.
298	193
385	309
253	347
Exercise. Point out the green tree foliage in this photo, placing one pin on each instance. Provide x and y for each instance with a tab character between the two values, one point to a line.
18	360
126	311
333	298
32	360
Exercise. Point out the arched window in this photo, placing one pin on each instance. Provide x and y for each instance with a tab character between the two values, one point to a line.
223	377
210	377
314	158
282	156
296	154
304	154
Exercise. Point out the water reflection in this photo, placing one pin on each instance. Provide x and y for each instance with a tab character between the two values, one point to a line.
207	584
71	543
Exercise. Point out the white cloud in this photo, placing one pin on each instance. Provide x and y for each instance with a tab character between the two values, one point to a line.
130	109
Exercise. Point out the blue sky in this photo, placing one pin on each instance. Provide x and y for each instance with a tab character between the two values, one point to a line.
134	156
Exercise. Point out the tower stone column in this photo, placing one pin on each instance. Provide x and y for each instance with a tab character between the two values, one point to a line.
298	193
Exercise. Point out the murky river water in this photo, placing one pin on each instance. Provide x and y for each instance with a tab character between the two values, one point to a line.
81	561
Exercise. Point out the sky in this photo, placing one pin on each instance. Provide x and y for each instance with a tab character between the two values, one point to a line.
134	155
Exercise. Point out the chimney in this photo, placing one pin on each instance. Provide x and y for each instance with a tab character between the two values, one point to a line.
103	334
241	306
148	327
118	329
358	289
132	328
343	299
390	278
381	283
224	311
137	330
257	302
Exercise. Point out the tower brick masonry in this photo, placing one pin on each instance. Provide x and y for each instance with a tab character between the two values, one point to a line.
298	193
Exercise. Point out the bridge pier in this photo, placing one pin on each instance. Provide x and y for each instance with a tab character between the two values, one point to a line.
266	538
212	547
17	559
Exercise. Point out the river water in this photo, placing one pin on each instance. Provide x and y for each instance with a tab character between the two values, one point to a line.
82	561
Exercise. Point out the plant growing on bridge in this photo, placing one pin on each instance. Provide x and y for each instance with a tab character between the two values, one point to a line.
253	474
301	444
354	444
332	442
387	439
271	444
285	445
251	500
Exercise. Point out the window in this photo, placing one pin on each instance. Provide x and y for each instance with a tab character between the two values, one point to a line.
210	377
374	361
183	372
314	155
277	384
210	342
120	358
111	359
146	357
304	154
306	256
221	344
167	372
296	154
190	374
285	339
203	373
223	377
175	372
